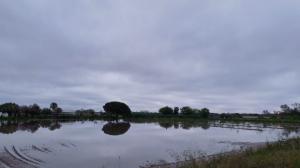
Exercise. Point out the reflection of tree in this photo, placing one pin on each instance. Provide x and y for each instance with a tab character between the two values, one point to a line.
176	125
8	128
45	123
55	125
194	124
287	130
30	126
116	128
184	124
165	125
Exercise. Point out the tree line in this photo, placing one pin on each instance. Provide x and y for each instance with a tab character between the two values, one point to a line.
287	110
186	110
113	109
15	110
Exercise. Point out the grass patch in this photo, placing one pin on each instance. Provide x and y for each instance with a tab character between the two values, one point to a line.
282	154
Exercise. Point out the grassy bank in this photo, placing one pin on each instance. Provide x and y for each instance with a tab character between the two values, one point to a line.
282	154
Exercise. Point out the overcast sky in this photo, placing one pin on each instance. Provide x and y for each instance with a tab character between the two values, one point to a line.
229	56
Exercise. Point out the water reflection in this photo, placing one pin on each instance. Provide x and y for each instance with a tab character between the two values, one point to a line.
83	144
184	124
9	127
288	129
116	128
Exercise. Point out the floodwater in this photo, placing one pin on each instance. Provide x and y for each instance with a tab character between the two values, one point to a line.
104	144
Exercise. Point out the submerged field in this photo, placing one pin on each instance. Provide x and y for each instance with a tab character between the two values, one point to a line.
127	144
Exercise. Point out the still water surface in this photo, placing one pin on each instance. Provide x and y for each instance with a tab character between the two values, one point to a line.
101	144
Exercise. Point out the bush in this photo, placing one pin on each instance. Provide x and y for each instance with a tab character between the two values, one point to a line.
166	110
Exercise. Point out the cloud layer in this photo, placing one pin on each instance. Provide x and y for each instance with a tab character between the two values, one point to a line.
233	56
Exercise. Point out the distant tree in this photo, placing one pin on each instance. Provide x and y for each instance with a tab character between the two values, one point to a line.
83	112
296	107
166	110
204	113
186	110
266	112
224	116
53	106
117	108
24	111
11	109
55	109
285	108
35	109
176	110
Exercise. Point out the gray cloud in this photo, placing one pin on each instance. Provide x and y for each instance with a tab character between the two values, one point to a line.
233	56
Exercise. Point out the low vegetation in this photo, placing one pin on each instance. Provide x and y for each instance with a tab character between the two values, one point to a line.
282	154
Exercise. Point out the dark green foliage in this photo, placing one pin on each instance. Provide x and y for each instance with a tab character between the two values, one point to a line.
34	109
186	110
176	110
166	110
204	113
12	109
24	111
46	111
117	108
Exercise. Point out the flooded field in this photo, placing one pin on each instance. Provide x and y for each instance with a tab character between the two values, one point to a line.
103	144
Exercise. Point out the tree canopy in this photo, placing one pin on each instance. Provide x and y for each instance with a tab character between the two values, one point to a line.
10	108
166	110
117	108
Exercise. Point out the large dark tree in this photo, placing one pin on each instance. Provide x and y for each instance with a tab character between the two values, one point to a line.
12	109
117	108
166	110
